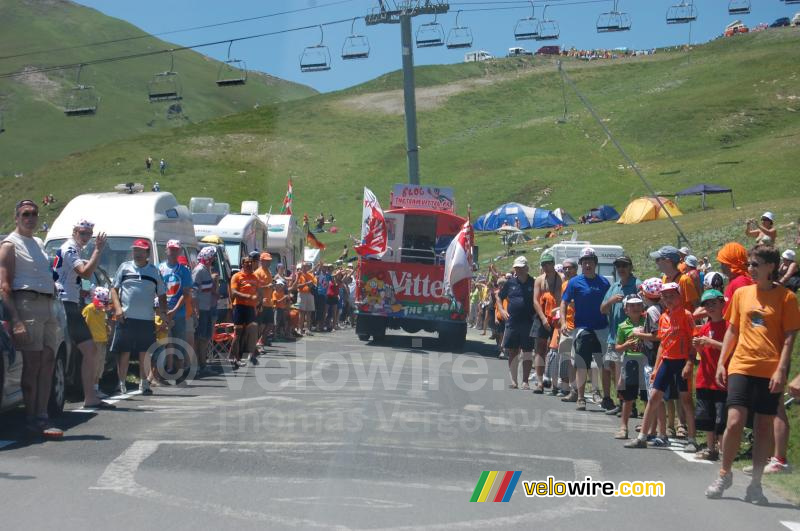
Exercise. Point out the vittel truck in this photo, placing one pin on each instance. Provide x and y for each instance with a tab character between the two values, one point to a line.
405	287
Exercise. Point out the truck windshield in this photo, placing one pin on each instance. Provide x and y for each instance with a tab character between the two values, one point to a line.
234	253
419	238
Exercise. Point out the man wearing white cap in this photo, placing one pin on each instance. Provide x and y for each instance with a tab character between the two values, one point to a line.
764	232
788	271
587	291
518	315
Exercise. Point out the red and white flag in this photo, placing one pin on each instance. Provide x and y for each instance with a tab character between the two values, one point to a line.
458	259
286	207
373	227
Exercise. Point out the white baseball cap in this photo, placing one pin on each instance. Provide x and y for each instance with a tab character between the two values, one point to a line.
587	252
685	250
769	215
520	261
788	254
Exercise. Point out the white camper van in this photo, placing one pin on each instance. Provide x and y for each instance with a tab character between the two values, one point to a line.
127	216
241	233
480	55
606	254
284	240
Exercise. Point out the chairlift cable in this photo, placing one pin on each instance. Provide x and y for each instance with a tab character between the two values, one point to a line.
628	159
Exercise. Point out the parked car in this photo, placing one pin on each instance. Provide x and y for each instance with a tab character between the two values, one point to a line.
781	22
549	50
517	51
796	19
11	366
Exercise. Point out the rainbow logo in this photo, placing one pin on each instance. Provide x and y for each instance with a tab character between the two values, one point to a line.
496	486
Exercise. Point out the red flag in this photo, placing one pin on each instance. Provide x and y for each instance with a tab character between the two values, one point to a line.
312	241
373	227
286	207
458	259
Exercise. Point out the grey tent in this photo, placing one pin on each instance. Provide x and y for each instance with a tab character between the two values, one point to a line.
705	189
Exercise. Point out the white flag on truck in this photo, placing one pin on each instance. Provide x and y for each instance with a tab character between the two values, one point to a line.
458	259
373	227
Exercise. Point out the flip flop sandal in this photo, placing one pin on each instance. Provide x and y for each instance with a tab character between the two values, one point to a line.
513	386
101	405
682	432
526	386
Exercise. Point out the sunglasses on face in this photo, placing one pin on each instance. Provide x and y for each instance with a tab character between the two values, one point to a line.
85	232
29	214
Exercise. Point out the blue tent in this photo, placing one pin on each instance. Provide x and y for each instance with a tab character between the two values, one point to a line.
508	214
602	213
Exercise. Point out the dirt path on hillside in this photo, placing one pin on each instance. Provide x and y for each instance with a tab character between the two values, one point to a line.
431	98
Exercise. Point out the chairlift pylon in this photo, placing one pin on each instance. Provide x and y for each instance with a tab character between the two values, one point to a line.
355	46
232	72
527	29
459	36
165	86
682	13
739	7
548	30
2	123
430	34
316	58
613	21
82	99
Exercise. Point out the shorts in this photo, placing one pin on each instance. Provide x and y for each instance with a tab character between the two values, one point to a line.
710	413
633	378
305	302
267	316
243	315
518	336
332	300
753	393
539	331
500	328
589	345
178	330
669	374
205	324
76	326
280	318
36	311
133	336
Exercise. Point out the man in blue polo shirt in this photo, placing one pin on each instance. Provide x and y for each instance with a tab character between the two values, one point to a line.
590	336
626	284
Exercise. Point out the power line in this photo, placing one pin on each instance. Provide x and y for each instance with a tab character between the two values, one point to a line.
170	32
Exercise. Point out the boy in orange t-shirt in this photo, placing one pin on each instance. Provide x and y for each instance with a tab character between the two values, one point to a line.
674	365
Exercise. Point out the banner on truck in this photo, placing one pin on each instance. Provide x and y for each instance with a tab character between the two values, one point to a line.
424	197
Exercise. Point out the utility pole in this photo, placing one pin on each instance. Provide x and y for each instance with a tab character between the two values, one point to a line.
402	13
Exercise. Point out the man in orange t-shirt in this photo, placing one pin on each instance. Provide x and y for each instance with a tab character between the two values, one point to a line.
674	365
266	317
305	284
764	320
244	292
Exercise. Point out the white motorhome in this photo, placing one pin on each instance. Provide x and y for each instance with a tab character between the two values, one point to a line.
127	216
606	254
241	233
284	240
480	55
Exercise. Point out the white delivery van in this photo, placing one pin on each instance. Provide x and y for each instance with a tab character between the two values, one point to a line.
285	240
241	233
480	55
124	217
606	254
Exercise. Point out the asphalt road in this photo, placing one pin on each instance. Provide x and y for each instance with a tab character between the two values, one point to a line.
334	433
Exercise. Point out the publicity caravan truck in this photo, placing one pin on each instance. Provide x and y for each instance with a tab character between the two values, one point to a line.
404	288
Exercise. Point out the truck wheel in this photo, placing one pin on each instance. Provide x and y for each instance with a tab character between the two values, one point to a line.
379	334
58	391
453	336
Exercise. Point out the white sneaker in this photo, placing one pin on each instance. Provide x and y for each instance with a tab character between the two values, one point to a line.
123	390
776	467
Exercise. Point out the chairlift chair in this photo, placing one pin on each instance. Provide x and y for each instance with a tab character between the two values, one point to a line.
682	13
232	72
165	86
430	34
613	21
527	29
739	7
459	36
788	2
548	30
316	58
82	99
355	46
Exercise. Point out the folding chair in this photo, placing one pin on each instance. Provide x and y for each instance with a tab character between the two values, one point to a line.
221	342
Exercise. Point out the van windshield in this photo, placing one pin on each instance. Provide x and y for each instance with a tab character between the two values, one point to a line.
234	253
117	250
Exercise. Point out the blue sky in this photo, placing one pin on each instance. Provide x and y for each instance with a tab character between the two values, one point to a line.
493	31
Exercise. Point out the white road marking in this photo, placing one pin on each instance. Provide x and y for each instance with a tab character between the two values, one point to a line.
794	526
120	477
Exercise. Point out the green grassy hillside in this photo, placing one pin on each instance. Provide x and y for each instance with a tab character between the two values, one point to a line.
37	130
728	117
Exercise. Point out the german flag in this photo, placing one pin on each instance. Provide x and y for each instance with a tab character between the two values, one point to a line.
312	241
